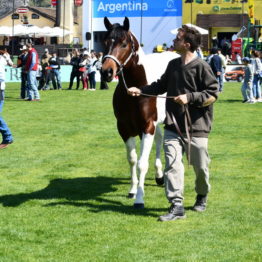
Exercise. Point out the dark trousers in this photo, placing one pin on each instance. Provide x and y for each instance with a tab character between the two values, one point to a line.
103	84
92	80
23	92
43	79
72	77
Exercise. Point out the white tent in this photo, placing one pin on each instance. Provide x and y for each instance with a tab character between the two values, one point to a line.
201	30
31	30
5	31
20	30
52	31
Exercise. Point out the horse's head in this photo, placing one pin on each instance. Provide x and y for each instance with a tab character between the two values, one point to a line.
121	46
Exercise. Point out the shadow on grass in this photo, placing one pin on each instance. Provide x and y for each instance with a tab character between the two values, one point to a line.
229	101
80	192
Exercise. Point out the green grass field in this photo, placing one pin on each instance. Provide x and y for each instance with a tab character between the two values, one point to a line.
65	179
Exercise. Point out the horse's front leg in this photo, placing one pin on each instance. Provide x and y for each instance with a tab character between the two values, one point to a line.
146	146
132	160
158	164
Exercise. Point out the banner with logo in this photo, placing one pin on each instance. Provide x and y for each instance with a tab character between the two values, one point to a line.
137	8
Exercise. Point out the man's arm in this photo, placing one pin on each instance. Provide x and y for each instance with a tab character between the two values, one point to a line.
209	87
156	88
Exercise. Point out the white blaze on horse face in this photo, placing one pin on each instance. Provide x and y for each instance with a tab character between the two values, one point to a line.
111	46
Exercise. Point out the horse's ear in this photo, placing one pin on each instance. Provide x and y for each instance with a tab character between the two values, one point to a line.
107	24
126	24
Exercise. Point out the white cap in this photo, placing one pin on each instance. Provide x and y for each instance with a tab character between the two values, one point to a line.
46	50
86	53
23	48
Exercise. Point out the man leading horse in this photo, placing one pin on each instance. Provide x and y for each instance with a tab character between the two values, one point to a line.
191	82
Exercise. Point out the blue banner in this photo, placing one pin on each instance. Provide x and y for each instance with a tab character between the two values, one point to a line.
137	8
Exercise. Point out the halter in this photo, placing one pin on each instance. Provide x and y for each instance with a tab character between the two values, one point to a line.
121	66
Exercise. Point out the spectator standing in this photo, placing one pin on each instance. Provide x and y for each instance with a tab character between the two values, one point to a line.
246	89
238	58
21	61
4	130
257	69
55	74
199	53
6	41
83	69
75	60
92	71
224	65
191	82
103	84
45	69
214	41
216	66
31	68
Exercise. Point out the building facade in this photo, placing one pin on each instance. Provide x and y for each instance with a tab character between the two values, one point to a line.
223	18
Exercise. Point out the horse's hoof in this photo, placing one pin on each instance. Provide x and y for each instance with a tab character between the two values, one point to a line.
131	195
160	181
139	205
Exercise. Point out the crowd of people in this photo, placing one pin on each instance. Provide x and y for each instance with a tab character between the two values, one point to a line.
84	68
251	87
39	73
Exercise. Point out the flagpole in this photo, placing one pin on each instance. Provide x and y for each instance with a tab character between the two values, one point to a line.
13	30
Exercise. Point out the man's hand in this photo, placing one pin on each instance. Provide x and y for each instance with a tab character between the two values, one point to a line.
182	99
133	91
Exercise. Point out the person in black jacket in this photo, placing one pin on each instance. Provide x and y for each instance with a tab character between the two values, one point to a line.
216	66
75	60
191	83
54	74
21	63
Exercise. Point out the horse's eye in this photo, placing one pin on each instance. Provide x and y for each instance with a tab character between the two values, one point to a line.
124	45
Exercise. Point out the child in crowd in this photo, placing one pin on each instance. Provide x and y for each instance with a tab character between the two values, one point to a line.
246	89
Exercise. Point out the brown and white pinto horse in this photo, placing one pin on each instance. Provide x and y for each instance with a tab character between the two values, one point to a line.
136	116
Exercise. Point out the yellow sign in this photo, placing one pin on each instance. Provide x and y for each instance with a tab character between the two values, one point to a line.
251	11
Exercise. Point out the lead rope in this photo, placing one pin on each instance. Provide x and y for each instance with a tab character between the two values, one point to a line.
187	120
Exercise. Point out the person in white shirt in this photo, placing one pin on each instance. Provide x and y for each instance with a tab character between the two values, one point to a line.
257	70
92	71
4	130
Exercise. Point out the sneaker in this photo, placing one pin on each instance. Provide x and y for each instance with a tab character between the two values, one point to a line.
244	101
259	100
251	101
200	204
5	144
176	211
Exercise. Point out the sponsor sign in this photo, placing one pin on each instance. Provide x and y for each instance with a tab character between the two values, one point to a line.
53	2
137	8
22	10
236	47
